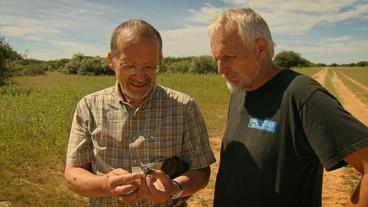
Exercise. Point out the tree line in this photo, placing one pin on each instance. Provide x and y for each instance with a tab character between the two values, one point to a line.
13	63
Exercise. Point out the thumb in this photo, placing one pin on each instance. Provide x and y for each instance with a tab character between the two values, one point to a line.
163	177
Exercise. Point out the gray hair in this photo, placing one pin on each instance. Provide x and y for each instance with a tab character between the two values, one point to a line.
251	26
134	27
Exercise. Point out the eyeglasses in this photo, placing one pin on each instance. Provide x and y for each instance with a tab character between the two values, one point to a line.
149	69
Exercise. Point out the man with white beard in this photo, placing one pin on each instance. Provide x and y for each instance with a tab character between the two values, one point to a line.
283	127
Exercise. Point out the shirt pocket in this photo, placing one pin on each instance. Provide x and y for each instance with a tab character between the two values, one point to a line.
108	145
156	145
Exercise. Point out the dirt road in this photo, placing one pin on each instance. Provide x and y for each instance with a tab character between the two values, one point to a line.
339	184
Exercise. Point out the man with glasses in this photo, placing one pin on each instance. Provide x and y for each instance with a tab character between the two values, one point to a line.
121	130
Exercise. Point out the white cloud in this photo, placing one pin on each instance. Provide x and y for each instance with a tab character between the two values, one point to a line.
59	28
344	49
44	18
22	26
205	15
186	41
292	17
66	48
54	29
363	29
339	39
296	17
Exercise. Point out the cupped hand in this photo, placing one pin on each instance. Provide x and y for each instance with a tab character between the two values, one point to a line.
157	187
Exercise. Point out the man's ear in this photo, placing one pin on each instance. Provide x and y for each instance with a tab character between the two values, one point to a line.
261	47
110	61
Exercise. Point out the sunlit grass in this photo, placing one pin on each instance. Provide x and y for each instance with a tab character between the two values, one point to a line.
210	93
329	84
36	113
310	71
359	74
360	92
35	117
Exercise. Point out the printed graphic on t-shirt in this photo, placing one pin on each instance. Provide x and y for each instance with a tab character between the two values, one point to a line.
262	124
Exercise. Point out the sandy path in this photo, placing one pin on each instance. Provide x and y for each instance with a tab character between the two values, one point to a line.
320	76
331	196
339	184
350	101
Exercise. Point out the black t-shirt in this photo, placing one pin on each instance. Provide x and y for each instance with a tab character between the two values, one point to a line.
277	141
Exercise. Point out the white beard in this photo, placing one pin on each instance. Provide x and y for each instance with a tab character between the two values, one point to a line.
242	84
236	87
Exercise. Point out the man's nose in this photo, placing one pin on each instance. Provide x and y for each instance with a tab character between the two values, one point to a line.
222	68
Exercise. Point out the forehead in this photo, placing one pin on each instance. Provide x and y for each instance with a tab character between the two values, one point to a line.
138	47
134	41
226	39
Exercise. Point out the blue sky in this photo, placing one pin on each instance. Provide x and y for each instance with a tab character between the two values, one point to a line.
322	31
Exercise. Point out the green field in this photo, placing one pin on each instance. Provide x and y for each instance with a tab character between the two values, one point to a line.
359	85
35	117
308	71
329	84
359	74
36	114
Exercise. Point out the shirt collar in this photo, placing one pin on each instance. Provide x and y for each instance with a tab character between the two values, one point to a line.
121	99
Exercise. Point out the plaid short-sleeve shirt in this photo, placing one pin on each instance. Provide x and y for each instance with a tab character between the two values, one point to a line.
107	133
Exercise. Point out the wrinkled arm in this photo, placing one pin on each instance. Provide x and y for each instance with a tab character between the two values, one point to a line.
194	180
85	183
359	160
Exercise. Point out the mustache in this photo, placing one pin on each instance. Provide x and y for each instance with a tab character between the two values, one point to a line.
230	74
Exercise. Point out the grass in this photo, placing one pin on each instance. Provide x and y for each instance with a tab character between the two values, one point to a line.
361	93
210	93
329	84
35	117
356	73
308	71
36	113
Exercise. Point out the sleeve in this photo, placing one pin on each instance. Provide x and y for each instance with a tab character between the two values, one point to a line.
196	148
332	132
79	150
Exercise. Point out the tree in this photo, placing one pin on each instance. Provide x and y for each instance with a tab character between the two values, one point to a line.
202	64
7	54
289	59
196	64
362	63
74	64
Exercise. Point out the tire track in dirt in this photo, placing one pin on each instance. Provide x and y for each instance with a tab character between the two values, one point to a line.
320	76
339	184
350	101
364	88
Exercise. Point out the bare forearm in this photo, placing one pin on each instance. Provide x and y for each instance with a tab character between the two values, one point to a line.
360	195
85	183
194	180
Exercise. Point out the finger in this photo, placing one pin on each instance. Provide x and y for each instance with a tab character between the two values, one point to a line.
124	179
157	194
125	189
163	177
143	191
129	198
